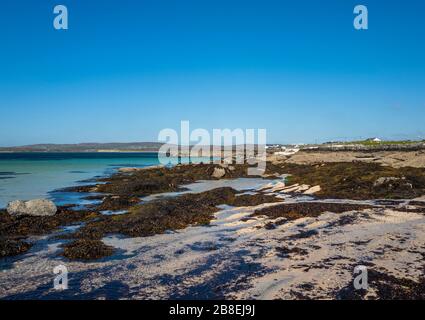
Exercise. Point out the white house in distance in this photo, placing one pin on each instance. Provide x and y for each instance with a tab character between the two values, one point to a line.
287	151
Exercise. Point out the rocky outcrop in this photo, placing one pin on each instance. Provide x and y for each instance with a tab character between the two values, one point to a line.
218	173
37	207
313	190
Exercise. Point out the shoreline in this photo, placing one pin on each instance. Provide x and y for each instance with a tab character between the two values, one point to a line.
97	151
297	219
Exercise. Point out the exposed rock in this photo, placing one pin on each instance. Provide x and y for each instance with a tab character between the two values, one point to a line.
296	188
37	207
313	190
278	187
218	173
266	186
392	183
384	180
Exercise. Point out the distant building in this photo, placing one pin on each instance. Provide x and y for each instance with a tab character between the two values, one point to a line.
287	151
374	140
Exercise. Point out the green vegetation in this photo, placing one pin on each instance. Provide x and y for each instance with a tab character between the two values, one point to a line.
370	142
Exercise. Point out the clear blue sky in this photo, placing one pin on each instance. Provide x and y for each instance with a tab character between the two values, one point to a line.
126	69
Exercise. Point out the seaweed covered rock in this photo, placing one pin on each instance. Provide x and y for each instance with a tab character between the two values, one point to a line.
174	213
141	183
117	203
359	180
84	249
14	229
293	211
24	226
9	247
385	287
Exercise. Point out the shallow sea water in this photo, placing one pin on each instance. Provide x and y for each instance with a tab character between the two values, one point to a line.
25	176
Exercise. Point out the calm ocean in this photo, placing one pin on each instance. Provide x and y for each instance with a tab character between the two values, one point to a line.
27	176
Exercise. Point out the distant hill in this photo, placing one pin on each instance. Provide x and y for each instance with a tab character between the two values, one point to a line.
87	147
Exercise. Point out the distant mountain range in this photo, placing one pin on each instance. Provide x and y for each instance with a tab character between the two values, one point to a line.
87	147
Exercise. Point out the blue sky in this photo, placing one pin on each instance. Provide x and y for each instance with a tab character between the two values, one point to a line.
124	70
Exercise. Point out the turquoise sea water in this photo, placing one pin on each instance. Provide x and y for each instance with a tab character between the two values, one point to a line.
26	176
